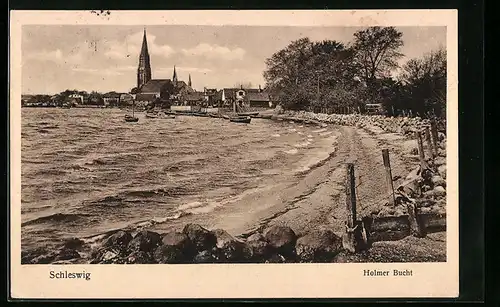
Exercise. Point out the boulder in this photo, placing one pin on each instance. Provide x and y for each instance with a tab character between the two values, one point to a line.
260	247
44	259
440	161
146	241
231	249
276	258
439	191
107	255
139	257
73	243
169	254
318	246
438	181
67	254
442	171
119	240
179	240
206	256
201	238
281	238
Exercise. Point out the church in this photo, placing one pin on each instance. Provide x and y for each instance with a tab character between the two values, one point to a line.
153	90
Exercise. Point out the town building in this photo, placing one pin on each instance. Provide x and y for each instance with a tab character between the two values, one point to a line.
248	98
111	99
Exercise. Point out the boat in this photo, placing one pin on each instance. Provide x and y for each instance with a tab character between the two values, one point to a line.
200	114
133	118
214	115
244	120
151	115
226	117
163	115
251	114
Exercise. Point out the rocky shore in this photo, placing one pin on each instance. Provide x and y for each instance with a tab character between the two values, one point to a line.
195	244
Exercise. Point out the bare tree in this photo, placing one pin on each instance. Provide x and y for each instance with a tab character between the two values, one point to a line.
377	51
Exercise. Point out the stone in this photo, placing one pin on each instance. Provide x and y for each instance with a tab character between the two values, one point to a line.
318	246
119	240
281	238
438	181
73	243
44	259
206	256
439	191
276	258
169	254
231	249
146	241
441	136
260	247
67	254
201	238
440	161
442	171
425	209
139	257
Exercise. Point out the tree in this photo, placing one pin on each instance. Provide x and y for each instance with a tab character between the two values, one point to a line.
301	74
425	80
377	51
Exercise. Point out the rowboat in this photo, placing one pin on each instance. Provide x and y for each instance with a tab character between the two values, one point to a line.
200	114
251	114
243	120
131	119
226	117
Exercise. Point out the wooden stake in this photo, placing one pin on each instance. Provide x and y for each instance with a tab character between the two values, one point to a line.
429	142
418	135
349	239
359	110
388	177
416	228
434	133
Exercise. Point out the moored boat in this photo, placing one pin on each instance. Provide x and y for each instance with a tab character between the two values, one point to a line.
251	114
133	118
244	120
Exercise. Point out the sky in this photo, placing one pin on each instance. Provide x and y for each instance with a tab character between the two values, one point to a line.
105	58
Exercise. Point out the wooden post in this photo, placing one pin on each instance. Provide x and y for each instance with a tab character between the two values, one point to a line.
434	133
388	177
418	135
404	113
411	113
392	108
349	239
416	228
359	110
429	142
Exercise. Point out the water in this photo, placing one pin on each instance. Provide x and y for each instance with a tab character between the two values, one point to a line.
86	171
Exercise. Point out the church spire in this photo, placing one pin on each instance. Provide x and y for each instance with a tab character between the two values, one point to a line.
174	78
144	69
189	81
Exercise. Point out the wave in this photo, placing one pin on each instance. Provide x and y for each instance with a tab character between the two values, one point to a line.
168	192
292	151
51	171
55	218
302	145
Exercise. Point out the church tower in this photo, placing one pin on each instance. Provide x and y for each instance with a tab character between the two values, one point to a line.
144	69
174	78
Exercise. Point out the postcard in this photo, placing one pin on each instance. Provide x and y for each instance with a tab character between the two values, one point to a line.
234	154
